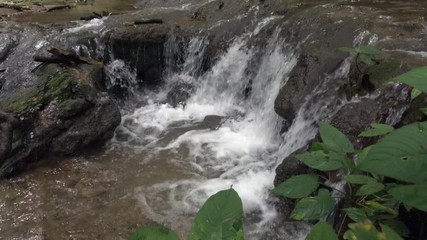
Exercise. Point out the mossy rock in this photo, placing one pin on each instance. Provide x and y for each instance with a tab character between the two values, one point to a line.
58	85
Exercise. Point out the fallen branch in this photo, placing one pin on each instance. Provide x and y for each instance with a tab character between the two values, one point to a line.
64	56
44	59
56	7
14	6
149	21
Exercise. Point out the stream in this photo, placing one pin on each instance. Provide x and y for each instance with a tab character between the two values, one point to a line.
166	159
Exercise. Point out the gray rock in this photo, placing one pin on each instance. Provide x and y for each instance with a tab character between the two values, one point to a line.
94	126
179	94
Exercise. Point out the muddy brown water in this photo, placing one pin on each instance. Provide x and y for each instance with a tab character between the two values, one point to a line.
74	13
89	197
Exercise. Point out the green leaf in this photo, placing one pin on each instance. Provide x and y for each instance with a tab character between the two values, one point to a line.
356	214
362	155
324	161
378	207
154	232
366	59
398	226
416	78
415	93
335	140
219	218
390	234
322	231
412	195
314	208
424	110
347	49
359	179
365	231
298	186
401	155
349	235
370	188
377	130
367	50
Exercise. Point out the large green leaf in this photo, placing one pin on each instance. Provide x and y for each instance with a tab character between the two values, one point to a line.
377	130
298	186
324	161
369	188
412	195
398	226
389	233
347	49
359	179
220	218
322	231
415	93
356	214
365	231
416	78
314	208
367	50
154	232
335	140
366	59
402	154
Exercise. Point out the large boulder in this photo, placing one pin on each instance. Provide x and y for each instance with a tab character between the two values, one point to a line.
63	114
319	38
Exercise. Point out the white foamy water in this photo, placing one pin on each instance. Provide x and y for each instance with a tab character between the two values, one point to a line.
242	152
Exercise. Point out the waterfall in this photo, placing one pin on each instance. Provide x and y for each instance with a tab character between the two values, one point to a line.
241	150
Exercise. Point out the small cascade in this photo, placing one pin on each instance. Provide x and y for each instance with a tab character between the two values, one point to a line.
242	148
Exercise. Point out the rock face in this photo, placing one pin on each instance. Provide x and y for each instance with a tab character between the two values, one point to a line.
61	115
142	49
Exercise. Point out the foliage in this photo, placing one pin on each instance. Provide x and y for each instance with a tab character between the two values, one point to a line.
364	53
322	230
154	232
298	186
377	130
221	217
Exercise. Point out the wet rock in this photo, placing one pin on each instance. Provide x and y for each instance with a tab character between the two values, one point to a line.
72	107
7	43
289	167
60	115
413	114
212	122
179	94
388	108
317	59
129	44
94	126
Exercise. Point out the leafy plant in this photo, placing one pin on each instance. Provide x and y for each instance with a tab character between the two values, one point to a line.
221	217
363	53
399	155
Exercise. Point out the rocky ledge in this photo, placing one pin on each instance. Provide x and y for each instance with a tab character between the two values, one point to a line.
63	113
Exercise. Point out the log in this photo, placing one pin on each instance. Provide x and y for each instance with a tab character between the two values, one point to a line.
71	57
14	6
44	59
149	21
56	7
7	123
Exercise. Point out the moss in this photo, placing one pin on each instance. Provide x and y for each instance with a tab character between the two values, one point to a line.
58	86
